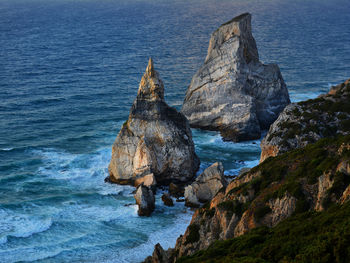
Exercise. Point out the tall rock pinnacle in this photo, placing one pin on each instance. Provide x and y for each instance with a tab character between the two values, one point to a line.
151	87
233	92
156	139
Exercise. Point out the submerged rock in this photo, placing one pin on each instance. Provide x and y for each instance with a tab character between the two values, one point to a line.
233	92
145	200
206	186
156	139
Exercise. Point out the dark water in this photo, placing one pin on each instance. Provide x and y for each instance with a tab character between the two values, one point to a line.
69	71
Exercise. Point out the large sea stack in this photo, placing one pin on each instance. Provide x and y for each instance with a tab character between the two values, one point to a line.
233	92
156	139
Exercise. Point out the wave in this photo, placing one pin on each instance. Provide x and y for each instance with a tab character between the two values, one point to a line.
21	226
6	149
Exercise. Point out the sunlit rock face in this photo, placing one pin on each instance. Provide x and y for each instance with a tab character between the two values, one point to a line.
156	139
233	92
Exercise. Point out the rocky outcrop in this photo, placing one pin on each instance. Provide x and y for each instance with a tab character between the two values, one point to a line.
206	185
156	139
145	200
308	121
295	182
233	92
167	200
159	255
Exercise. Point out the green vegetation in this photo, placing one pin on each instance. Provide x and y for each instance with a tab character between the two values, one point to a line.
341	181
308	237
193	236
260	212
318	116
233	207
308	163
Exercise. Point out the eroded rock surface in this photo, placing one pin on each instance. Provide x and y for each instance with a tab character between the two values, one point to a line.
156	139
206	185
308	121
233	92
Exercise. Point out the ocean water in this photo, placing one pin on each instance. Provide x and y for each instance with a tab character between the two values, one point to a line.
69	71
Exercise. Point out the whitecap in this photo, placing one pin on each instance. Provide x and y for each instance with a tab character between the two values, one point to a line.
6	149
21	225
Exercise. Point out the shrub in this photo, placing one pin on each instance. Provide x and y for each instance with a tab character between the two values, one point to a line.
193	235
260	212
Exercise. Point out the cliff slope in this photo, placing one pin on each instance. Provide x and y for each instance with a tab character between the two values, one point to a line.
301	181
308	121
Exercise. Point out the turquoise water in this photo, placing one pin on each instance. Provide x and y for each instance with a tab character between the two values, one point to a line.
69	71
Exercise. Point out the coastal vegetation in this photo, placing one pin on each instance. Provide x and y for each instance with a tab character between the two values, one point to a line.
307	237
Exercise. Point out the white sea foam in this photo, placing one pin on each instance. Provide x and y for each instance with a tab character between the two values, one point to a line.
85	173
6	149
21	225
165	237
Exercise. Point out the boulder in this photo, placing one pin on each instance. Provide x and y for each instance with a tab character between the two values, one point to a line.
206	185
156	139
167	200
233	92
145	200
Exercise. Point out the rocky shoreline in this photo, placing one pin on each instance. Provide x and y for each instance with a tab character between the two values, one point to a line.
296	182
304	164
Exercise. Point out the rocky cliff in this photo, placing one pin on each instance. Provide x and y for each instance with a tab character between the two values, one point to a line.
233	92
308	121
313	178
156	139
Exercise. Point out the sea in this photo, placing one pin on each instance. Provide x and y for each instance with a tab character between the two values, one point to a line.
69	72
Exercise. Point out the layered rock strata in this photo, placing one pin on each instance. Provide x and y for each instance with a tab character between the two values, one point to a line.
308	121
233	92
156	139
206	185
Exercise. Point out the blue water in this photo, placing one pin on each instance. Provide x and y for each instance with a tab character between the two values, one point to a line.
69	71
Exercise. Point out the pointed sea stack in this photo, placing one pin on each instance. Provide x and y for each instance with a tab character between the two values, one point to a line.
233	92
156	139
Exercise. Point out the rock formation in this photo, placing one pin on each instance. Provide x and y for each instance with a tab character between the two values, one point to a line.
158	256
311	179
145	200
206	185
167	200
308	121
156	139
233	92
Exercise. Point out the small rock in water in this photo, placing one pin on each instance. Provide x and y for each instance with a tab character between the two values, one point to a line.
167	200
176	190
145	200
